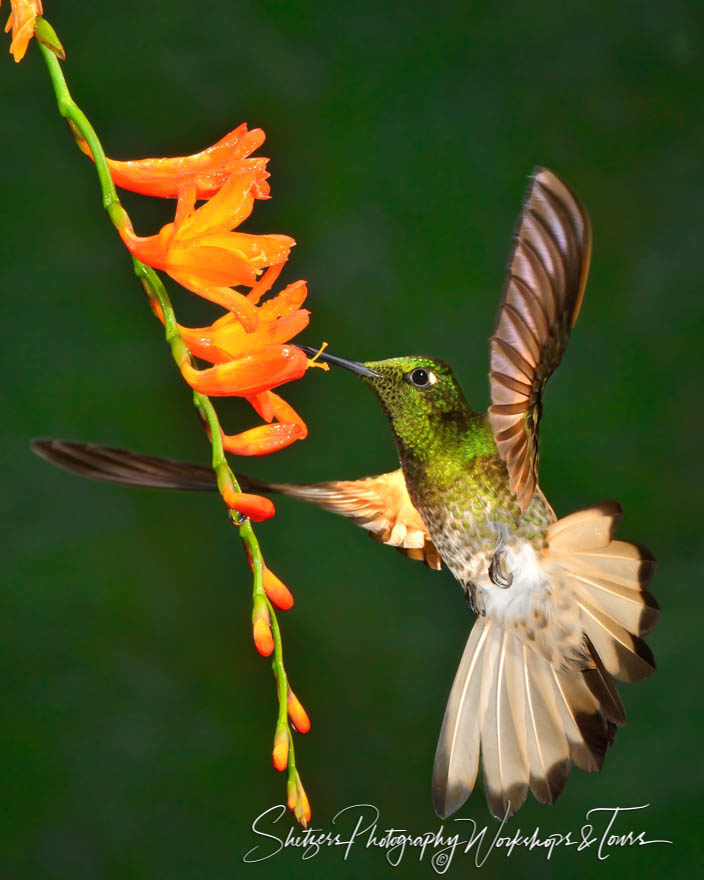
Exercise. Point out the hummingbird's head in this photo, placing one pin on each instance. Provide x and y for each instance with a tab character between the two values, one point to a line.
421	397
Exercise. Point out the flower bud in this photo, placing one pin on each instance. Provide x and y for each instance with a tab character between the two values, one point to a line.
278	593
280	753
261	626
302	809
291	794
297	714
255	507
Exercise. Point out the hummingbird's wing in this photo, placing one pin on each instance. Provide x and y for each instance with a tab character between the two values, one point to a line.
381	505
543	294
124	467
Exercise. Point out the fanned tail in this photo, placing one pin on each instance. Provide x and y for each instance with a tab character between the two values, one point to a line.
608	579
529	718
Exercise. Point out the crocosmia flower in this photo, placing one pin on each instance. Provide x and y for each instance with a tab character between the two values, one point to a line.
250	362
278	320
201	251
206	172
21	21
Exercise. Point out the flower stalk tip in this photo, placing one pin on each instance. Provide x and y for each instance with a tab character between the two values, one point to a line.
297	800
47	36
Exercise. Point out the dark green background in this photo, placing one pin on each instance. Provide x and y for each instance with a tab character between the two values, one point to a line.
137	717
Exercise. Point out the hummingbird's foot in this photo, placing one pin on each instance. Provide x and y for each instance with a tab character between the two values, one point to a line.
473	600
499	572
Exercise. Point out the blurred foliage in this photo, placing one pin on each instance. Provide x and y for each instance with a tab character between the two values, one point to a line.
137	716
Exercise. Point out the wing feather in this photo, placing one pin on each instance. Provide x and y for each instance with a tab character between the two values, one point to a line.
381	505
542	297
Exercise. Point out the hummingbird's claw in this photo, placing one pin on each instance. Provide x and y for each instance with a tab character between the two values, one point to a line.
499	572
472	599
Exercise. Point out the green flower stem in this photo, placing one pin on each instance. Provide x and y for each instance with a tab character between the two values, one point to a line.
279	673
156	292
71	111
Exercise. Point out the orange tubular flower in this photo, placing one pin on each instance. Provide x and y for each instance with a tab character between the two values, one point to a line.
207	171
200	251
250	374
22	19
227	341
261	354
278	320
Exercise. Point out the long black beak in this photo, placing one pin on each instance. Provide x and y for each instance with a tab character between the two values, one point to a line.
353	366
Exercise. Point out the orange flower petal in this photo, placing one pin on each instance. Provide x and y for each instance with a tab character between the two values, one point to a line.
285	413
22	21
244	316
263	404
265	283
226	210
285	302
229	337
258	250
197	267
136	176
250	374
262	440
207	171
185	205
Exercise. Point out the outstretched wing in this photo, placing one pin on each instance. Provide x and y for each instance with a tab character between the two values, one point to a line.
379	504
544	290
124	467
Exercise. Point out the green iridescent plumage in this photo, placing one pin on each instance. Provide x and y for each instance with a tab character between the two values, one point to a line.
454	474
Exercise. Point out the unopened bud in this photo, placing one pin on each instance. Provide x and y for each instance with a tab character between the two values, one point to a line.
255	507
302	809
297	714
261	628
291	794
280	753
276	590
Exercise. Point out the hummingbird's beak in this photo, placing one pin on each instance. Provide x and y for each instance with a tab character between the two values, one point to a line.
352	366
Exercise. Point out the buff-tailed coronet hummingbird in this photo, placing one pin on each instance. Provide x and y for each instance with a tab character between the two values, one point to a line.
561	604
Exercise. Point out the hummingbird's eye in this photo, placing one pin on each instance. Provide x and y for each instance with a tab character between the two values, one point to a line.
421	378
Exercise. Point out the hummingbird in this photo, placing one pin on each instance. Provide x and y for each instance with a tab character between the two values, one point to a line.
561	605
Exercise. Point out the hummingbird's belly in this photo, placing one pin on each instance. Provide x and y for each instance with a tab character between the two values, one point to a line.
484	544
